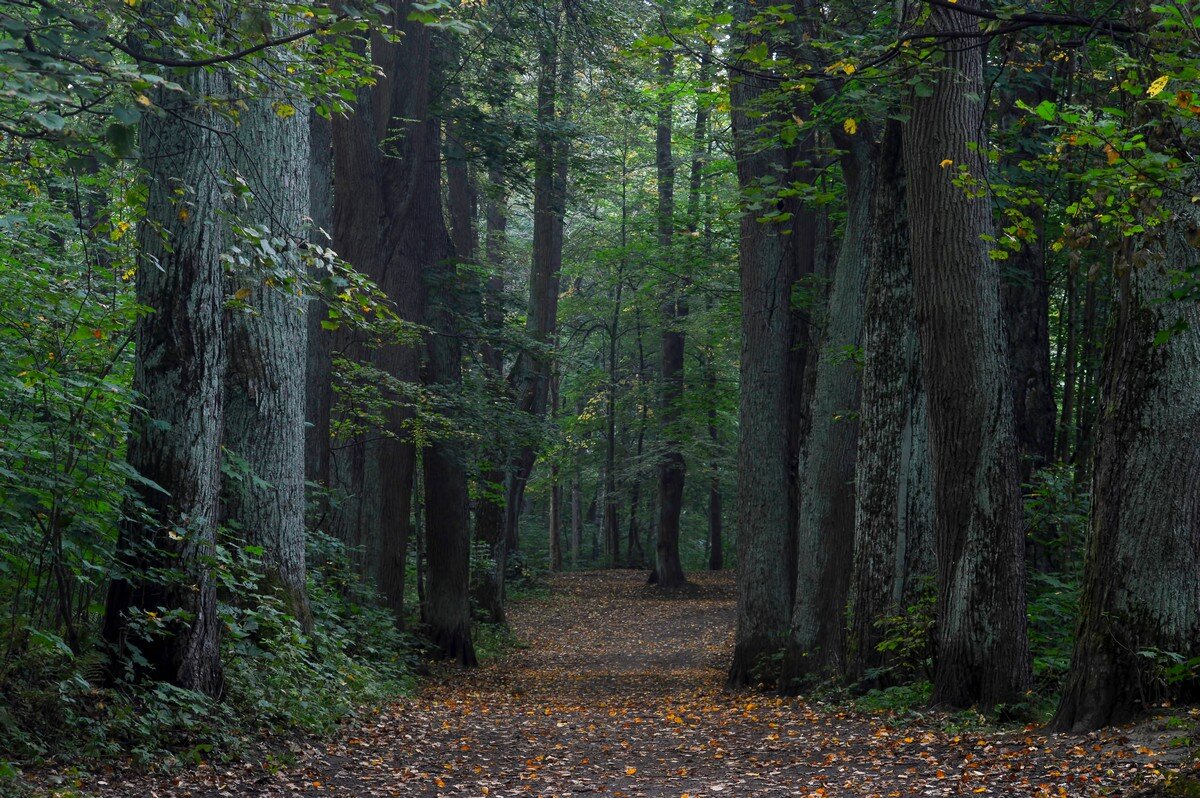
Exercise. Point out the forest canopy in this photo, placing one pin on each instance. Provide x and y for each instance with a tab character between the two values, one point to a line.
327	331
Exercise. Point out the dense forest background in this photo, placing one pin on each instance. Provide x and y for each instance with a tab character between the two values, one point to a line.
328	329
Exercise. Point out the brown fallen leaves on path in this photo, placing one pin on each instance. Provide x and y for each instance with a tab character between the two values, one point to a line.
618	691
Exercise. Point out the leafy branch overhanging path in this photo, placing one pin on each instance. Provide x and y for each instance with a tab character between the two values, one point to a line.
618	691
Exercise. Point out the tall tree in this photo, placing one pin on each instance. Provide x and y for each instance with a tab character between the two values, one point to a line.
769	269
982	648
267	343
168	537
418	250
825	530
668	570
893	547
1142	576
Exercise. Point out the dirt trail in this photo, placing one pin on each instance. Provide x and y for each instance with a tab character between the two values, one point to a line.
619	691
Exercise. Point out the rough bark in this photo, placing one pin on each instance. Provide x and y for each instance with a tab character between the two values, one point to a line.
267	349
825	529
893	510
170	523
768	266
982	649
1142	572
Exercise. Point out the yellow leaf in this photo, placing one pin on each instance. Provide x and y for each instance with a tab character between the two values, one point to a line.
1157	86
143	99
630	771
945	163
284	111
184	214
850	126
242	293
848	69
1112	155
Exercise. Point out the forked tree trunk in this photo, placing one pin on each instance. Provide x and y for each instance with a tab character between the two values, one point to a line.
825	531
175	440
893	510
982	648
267	349
1141	594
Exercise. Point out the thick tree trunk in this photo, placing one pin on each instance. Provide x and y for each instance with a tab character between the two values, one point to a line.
982	649
1142	575
768	267
668	568
372	474
418	248
267	350
175	441
825	530
893	507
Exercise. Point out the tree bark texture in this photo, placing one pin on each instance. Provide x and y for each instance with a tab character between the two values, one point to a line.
825	530
267	349
1142	573
893	504
982	648
175	441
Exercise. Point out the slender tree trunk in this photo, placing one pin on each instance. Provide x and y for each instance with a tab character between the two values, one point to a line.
1025	301
668	569
175	441
1142	576
555	531
531	373
716	542
1066	424
893	507
982	648
267	350
489	517
318	402
576	519
825	532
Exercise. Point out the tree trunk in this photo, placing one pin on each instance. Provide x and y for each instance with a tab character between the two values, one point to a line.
555	531
1142	575
668	568
768	268
825	530
267	349
175	439
530	375
893	510
318	402
1025	301
489	517
982	648
418	248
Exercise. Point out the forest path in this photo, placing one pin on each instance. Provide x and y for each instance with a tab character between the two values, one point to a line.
618	691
